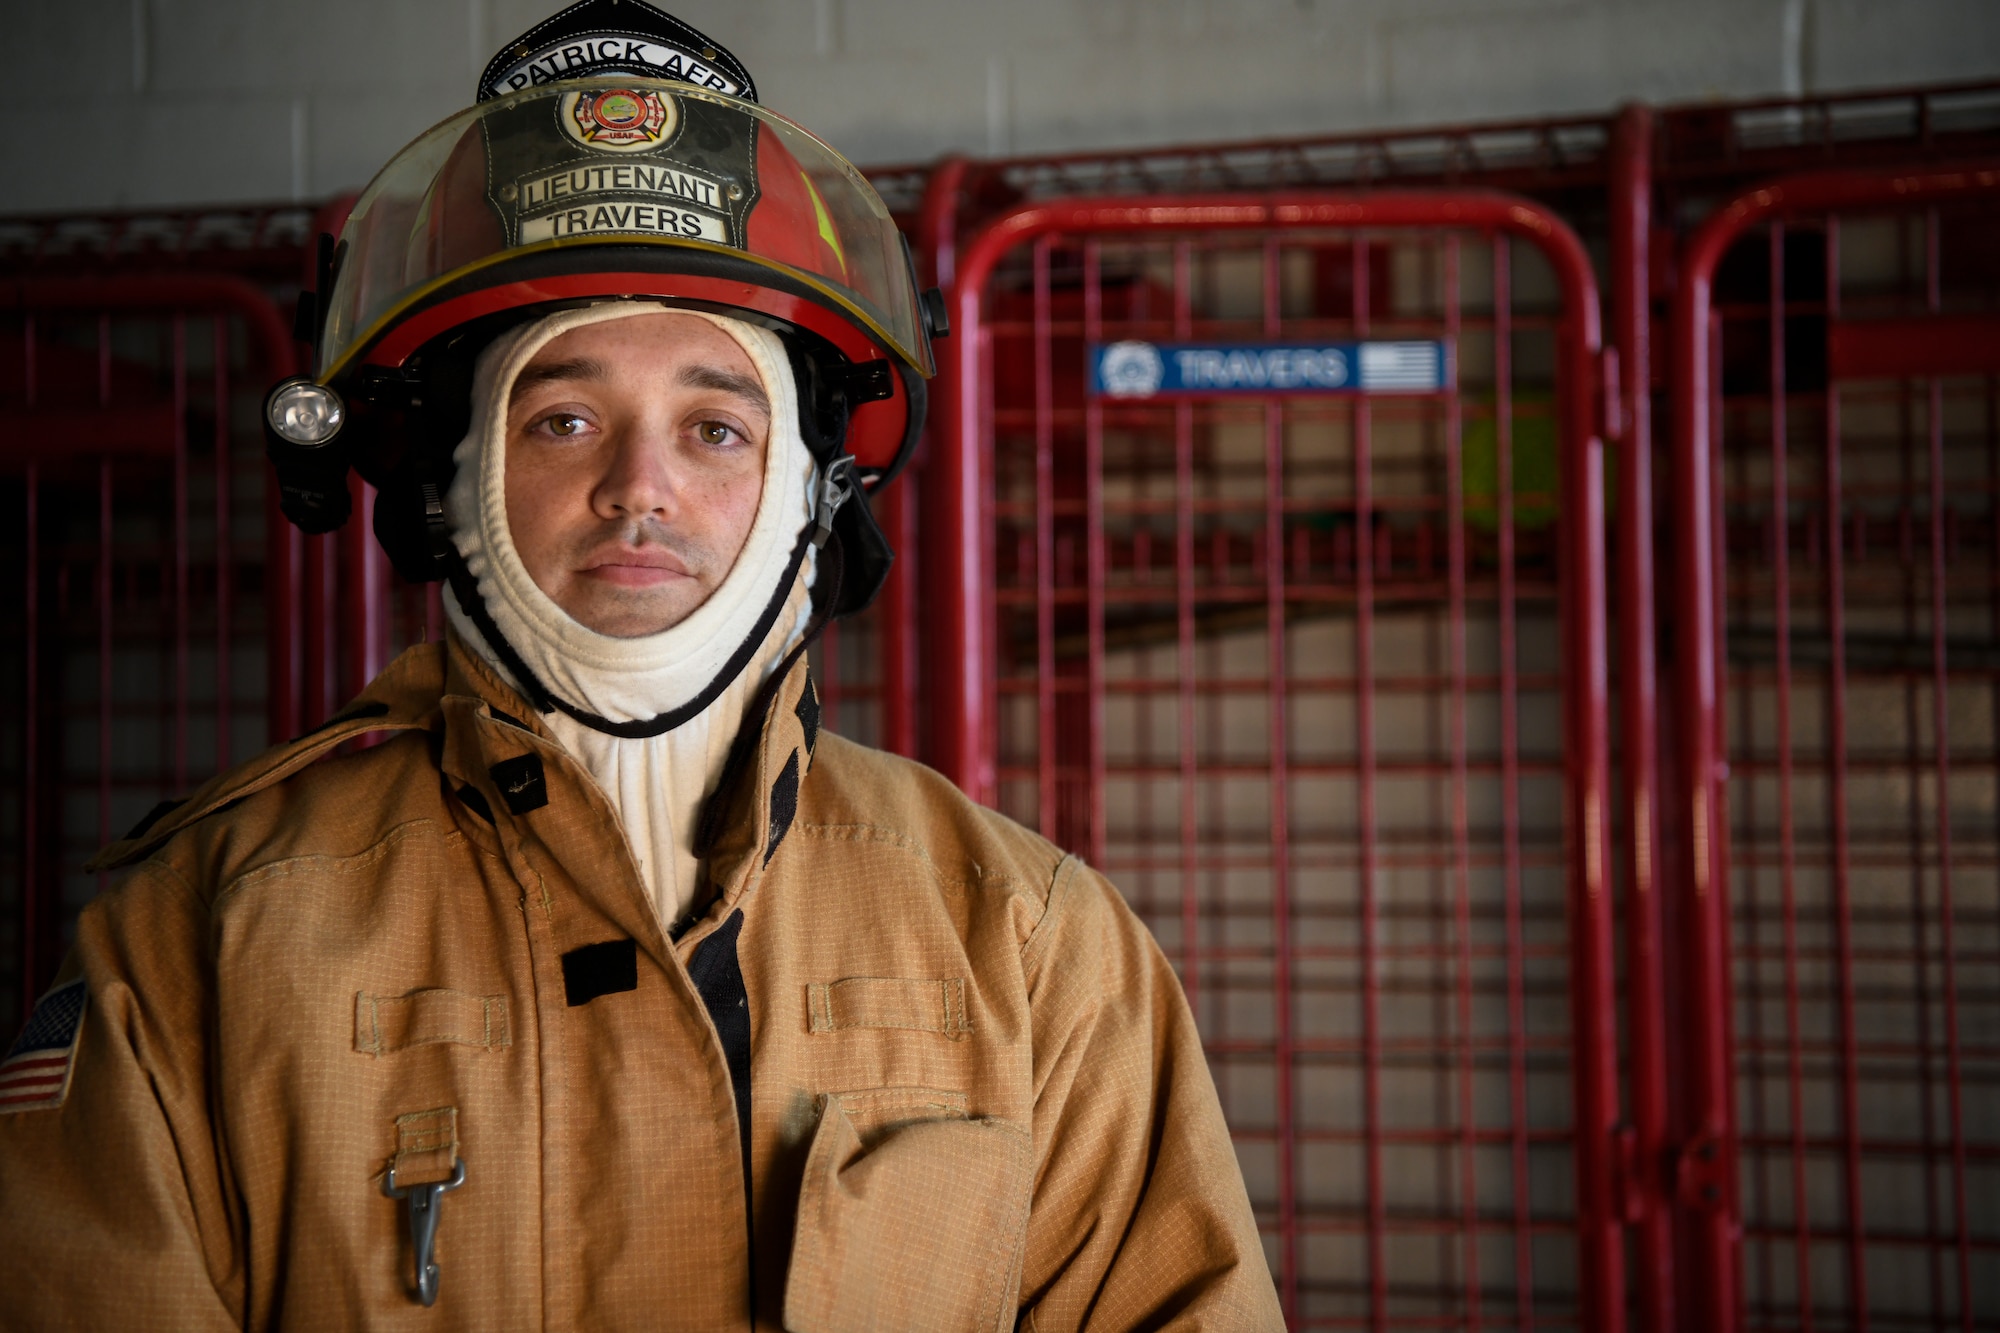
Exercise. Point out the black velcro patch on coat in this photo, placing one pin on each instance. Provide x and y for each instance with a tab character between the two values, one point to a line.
521	783
472	799
808	711
718	976
610	968
784	804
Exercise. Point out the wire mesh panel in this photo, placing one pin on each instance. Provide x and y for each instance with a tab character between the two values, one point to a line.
865	664
337	615
1861	617
1290	669
1854	415
135	607
846	667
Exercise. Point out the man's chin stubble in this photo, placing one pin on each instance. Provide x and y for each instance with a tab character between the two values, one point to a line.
633	613
629	615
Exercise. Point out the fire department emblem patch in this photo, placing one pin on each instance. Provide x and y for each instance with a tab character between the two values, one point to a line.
619	119
34	1076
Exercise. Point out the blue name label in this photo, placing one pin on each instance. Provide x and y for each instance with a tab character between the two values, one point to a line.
1154	370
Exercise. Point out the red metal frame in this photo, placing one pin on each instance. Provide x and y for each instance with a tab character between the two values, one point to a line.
171	293
1670	1172
95	430
964	736
1644	1196
914	652
1715	1293
891	626
254	240
1876	127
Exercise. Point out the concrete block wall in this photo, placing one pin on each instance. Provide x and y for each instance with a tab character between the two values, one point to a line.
124	103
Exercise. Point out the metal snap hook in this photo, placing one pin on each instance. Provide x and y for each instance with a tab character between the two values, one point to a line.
423	1206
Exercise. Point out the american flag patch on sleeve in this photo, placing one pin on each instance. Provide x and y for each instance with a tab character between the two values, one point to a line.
34	1076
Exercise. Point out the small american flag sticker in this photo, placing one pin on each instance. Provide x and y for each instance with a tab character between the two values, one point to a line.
35	1074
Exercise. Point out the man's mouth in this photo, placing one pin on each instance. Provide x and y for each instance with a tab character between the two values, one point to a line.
645	567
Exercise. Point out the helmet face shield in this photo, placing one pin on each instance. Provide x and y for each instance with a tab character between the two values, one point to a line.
513	201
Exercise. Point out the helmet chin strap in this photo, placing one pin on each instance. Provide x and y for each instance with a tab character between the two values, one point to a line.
834	489
714	814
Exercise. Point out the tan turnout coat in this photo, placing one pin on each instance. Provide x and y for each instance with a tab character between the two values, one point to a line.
975	1092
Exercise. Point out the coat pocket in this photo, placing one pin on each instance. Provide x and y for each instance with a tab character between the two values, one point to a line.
918	1226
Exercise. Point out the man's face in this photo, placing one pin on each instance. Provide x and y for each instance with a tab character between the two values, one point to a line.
635	461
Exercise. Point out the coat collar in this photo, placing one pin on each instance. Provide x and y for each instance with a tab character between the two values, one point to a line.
758	793
451	689
754	806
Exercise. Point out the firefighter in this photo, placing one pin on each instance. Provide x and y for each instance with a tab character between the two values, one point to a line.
608	990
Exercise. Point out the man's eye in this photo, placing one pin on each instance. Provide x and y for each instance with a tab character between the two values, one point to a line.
565	424
714	432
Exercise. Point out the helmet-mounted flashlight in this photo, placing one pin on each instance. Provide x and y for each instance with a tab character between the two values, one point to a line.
302	422
303	413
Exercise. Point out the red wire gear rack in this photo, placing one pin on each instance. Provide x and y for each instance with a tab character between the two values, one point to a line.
1437	1175
1325	566
1836	462
128	410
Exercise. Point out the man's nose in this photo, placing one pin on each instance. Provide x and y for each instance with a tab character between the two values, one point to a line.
639	478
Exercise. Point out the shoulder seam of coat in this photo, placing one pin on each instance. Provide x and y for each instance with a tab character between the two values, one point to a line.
1063	875
289	865
298	756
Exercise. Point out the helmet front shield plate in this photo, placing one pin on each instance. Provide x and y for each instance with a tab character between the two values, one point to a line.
658	168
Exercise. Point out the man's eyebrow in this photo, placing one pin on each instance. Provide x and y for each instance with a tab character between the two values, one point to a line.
726	381
583	368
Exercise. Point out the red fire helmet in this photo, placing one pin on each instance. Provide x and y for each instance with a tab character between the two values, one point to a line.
622	187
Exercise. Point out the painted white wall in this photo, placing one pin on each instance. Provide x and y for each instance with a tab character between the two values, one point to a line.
118	103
